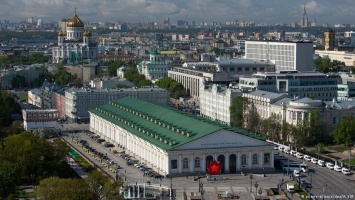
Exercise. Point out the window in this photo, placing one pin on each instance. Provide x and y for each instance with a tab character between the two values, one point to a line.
244	159
334	120
173	164
185	163
197	162
255	159
266	158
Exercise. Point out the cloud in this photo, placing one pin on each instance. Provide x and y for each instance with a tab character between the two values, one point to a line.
263	11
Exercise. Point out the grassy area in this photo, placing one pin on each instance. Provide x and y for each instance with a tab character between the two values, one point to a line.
338	148
346	161
84	164
300	192
24	97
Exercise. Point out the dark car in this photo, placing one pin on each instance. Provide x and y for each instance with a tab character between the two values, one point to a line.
158	176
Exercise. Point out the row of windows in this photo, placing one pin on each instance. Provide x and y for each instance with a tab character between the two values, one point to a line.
197	161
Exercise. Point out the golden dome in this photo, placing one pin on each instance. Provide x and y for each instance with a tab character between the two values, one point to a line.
87	33
75	21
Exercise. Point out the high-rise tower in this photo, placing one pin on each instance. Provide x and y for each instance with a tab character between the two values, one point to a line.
329	40
304	20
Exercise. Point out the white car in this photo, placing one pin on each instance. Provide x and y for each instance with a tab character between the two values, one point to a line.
314	160
299	155
286	150
345	171
307	158
293	153
330	165
321	163
337	168
296	173
281	148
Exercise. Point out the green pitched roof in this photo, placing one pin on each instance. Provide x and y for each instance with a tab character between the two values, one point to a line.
154	52
162	126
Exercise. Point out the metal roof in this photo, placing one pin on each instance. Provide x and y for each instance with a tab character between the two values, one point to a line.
163	126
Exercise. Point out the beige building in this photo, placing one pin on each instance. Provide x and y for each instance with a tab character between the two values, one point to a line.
40	119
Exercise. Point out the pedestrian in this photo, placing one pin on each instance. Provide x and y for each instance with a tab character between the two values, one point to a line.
187	177
282	180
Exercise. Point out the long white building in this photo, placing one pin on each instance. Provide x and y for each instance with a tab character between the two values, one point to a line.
78	101
285	55
343	56
172	142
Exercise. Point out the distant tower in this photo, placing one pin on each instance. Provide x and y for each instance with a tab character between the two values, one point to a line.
30	20
293	24
329	38
304	20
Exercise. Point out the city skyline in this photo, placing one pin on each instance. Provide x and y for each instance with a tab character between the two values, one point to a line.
259	11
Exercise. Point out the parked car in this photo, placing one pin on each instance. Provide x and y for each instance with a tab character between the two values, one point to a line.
286	150
293	153
337	168
329	165
281	148
321	163
307	158
299	155
314	160
345	171
296	173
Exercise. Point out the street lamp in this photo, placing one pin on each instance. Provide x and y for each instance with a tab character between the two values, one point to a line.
251	182
256	189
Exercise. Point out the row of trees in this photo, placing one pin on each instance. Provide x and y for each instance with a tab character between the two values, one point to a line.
325	65
307	131
138	79
344	132
8	107
31	59
114	65
175	88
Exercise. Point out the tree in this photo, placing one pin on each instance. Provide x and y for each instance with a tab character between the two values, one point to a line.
175	88
9	179
326	65
16	127
316	126
8	106
120	85
237	109
58	188
344	132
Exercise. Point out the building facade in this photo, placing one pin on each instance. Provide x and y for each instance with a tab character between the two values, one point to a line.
174	143
155	68
215	102
317	85
285	55
75	45
40	119
78	101
292	110
343	56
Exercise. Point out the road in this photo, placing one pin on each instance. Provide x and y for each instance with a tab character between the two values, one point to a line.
332	184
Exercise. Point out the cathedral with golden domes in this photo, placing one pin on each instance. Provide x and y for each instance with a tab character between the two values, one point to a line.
75	44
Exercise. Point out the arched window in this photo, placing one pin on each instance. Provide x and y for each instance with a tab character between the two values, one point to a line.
185	163
197	162
244	159
255	159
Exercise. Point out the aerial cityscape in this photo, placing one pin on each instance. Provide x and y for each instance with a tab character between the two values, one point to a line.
187	100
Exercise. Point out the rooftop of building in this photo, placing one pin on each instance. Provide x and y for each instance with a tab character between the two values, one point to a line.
244	62
266	94
275	41
107	90
163	126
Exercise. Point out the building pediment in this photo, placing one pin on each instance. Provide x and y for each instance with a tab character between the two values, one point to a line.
223	139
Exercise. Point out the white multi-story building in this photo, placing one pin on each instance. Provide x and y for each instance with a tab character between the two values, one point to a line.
292	110
75	44
174	143
154	69
346	89
40	119
343	56
215	102
78	101
285	55
226	71
295	84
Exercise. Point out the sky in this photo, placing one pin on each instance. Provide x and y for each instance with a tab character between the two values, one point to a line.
259	11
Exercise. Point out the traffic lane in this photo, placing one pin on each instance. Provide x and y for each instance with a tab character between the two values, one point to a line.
329	182
337	182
